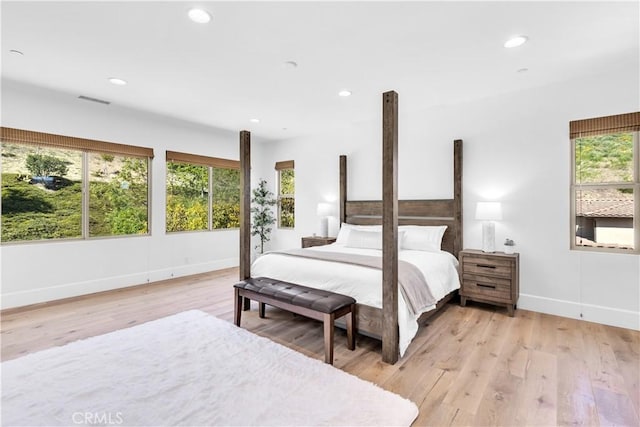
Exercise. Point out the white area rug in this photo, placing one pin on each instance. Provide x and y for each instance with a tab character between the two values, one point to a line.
189	369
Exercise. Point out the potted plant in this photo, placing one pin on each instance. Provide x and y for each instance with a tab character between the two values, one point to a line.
509	246
262	217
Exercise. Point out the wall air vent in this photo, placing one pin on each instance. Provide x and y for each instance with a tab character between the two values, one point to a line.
99	101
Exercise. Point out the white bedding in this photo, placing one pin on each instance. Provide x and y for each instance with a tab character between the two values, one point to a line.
362	283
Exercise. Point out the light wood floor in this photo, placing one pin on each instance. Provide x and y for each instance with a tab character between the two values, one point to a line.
467	366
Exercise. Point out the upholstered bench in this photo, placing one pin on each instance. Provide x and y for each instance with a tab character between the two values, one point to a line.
314	303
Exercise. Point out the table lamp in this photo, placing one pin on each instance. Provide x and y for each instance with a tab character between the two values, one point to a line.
488	212
324	212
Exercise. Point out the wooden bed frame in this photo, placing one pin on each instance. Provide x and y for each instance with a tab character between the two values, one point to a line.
390	212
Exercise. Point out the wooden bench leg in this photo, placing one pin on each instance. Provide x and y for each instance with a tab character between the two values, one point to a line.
261	309
237	308
328	337
351	336
247	304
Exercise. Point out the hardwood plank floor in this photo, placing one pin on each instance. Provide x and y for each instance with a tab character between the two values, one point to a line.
469	365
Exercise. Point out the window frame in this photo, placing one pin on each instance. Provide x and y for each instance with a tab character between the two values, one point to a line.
634	185
85	147
211	163
280	167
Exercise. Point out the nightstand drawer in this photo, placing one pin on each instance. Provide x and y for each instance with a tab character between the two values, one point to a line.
488	267
487	287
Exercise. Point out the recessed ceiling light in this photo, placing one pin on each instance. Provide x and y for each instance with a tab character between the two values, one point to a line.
200	16
16	52
116	81
516	41
344	93
290	64
254	120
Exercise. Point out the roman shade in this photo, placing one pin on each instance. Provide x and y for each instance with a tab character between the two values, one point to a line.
195	159
72	143
287	164
629	122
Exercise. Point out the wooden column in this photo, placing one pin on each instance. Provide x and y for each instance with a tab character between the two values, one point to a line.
343	189
245	209
457	195
390	342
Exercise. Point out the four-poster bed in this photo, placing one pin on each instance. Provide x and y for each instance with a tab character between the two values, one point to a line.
389	213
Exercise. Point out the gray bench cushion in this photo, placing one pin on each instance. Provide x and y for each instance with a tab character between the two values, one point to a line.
302	296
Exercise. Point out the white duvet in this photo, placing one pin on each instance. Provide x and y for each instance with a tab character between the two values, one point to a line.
363	283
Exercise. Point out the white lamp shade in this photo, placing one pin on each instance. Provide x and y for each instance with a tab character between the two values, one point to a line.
489	211
324	209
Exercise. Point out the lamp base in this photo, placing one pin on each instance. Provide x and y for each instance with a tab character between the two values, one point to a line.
324	226
488	237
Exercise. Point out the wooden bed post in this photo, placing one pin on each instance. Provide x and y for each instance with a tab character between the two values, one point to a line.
343	189
457	195
245	209
390	340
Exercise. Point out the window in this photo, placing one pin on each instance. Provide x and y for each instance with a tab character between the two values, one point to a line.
286	194
41	196
203	193
118	195
226	198
605	187
45	178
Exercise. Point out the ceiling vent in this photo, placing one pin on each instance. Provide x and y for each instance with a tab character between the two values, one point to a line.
99	101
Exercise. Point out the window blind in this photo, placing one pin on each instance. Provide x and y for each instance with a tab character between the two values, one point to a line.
629	122
288	164
174	156
69	142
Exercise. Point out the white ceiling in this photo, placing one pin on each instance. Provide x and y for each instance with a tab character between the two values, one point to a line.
231	70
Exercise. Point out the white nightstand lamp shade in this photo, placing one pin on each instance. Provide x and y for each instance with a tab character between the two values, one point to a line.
324	211
488	212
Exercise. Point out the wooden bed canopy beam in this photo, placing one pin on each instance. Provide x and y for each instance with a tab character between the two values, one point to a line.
457	196
390	340
245	209
343	189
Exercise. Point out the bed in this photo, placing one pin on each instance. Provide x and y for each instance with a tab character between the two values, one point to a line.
386	318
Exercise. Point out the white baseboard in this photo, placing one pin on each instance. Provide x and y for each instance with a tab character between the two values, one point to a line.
589	312
47	294
187	270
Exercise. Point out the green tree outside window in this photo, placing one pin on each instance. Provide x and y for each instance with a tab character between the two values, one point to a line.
286	198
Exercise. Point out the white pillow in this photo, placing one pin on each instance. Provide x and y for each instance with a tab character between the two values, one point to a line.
369	239
423	238
364	239
343	234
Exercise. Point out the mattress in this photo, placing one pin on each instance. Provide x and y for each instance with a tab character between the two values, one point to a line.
363	283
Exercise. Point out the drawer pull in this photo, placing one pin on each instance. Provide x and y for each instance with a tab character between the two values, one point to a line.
482	285
486	266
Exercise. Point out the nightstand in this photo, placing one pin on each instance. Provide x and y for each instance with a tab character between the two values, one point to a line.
310	241
490	277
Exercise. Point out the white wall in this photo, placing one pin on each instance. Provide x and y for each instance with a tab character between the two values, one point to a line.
517	151
36	272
